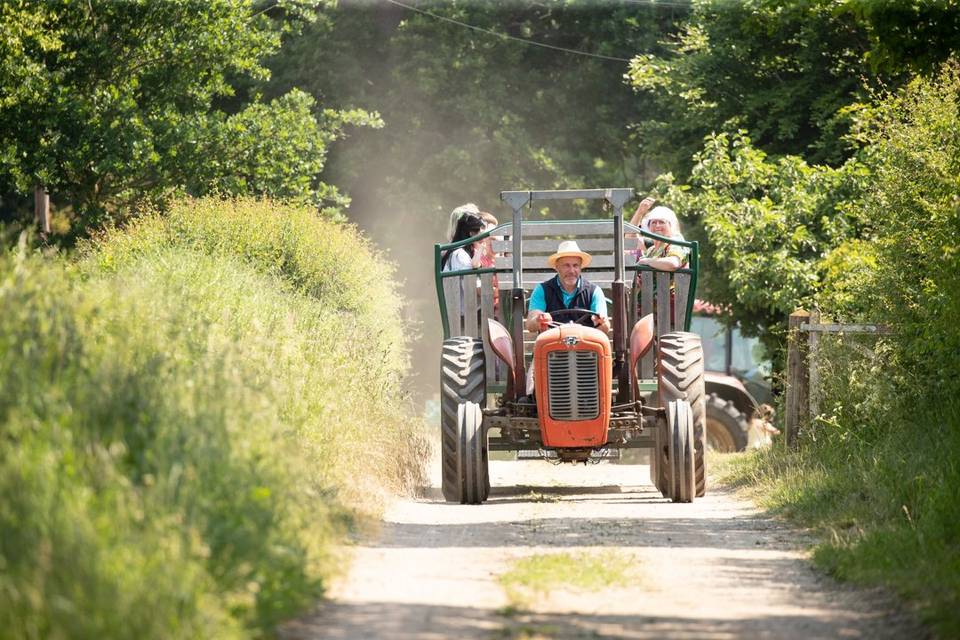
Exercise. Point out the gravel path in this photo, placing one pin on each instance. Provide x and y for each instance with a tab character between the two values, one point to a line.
712	569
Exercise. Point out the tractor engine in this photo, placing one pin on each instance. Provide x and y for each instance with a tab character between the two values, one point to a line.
573	368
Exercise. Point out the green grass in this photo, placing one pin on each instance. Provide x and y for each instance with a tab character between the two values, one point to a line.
536	496
881	498
191	418
538	575
533	632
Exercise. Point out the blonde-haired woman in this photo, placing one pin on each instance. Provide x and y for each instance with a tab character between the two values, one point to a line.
661	255
457	213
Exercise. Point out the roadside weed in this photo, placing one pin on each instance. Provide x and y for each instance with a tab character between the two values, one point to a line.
537	576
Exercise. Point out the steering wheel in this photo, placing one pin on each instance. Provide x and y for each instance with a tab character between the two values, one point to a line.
583	315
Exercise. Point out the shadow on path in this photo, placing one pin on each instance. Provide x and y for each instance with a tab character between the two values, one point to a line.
418	622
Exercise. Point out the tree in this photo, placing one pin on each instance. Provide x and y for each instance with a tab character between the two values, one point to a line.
908	37
471	111
784	72
112	103
761	101
780	71
770	222
908	276
276	149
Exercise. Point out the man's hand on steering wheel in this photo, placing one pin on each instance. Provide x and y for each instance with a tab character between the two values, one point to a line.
545	320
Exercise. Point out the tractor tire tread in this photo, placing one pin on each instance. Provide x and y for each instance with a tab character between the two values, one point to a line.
681	377
462	379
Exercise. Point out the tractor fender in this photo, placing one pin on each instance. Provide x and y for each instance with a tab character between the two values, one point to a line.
501	343
730	388
641	339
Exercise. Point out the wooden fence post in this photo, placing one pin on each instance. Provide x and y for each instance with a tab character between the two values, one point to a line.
813	364
797	410
41	207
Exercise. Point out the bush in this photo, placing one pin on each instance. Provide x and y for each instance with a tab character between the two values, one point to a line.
182	439
877	471
915	203
766	223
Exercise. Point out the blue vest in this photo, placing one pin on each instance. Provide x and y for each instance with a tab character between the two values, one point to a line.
582	299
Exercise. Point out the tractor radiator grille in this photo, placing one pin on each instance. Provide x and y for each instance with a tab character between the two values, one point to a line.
573	385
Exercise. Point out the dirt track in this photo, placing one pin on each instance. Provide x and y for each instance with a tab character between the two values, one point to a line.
712	569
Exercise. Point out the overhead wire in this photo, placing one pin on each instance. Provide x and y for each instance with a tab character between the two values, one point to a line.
264	10
505	36
660	3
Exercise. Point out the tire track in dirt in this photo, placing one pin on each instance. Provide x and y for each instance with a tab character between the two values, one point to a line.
715	568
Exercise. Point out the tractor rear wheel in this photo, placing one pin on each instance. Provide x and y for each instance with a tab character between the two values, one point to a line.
680	451
462	380
727	427
680	377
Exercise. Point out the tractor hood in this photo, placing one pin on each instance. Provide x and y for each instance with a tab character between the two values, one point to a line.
571	335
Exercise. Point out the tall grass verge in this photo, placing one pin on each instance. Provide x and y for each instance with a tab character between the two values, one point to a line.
191	416
877	482
875	475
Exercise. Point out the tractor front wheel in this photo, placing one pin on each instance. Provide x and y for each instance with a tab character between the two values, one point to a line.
473	454
680	377
680	452
462	381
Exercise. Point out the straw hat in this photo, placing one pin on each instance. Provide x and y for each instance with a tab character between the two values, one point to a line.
569	248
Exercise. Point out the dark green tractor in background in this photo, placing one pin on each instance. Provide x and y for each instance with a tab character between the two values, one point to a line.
737	380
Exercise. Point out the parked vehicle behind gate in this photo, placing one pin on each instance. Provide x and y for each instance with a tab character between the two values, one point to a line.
640	387
736	380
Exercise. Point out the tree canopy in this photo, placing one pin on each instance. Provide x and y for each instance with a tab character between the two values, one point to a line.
782	71
747	110
471	100
107	104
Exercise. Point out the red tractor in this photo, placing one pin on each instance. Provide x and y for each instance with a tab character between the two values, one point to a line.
639	387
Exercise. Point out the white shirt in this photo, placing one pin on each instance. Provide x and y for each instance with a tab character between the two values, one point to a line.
459	260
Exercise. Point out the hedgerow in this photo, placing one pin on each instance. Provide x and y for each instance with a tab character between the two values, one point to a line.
876	471
191	416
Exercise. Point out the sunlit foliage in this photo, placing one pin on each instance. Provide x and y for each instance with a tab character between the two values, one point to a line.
190	417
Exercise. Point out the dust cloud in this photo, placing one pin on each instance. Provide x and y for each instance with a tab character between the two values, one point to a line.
435	154
405	228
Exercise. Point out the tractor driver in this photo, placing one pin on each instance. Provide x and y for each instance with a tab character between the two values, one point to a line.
568	290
